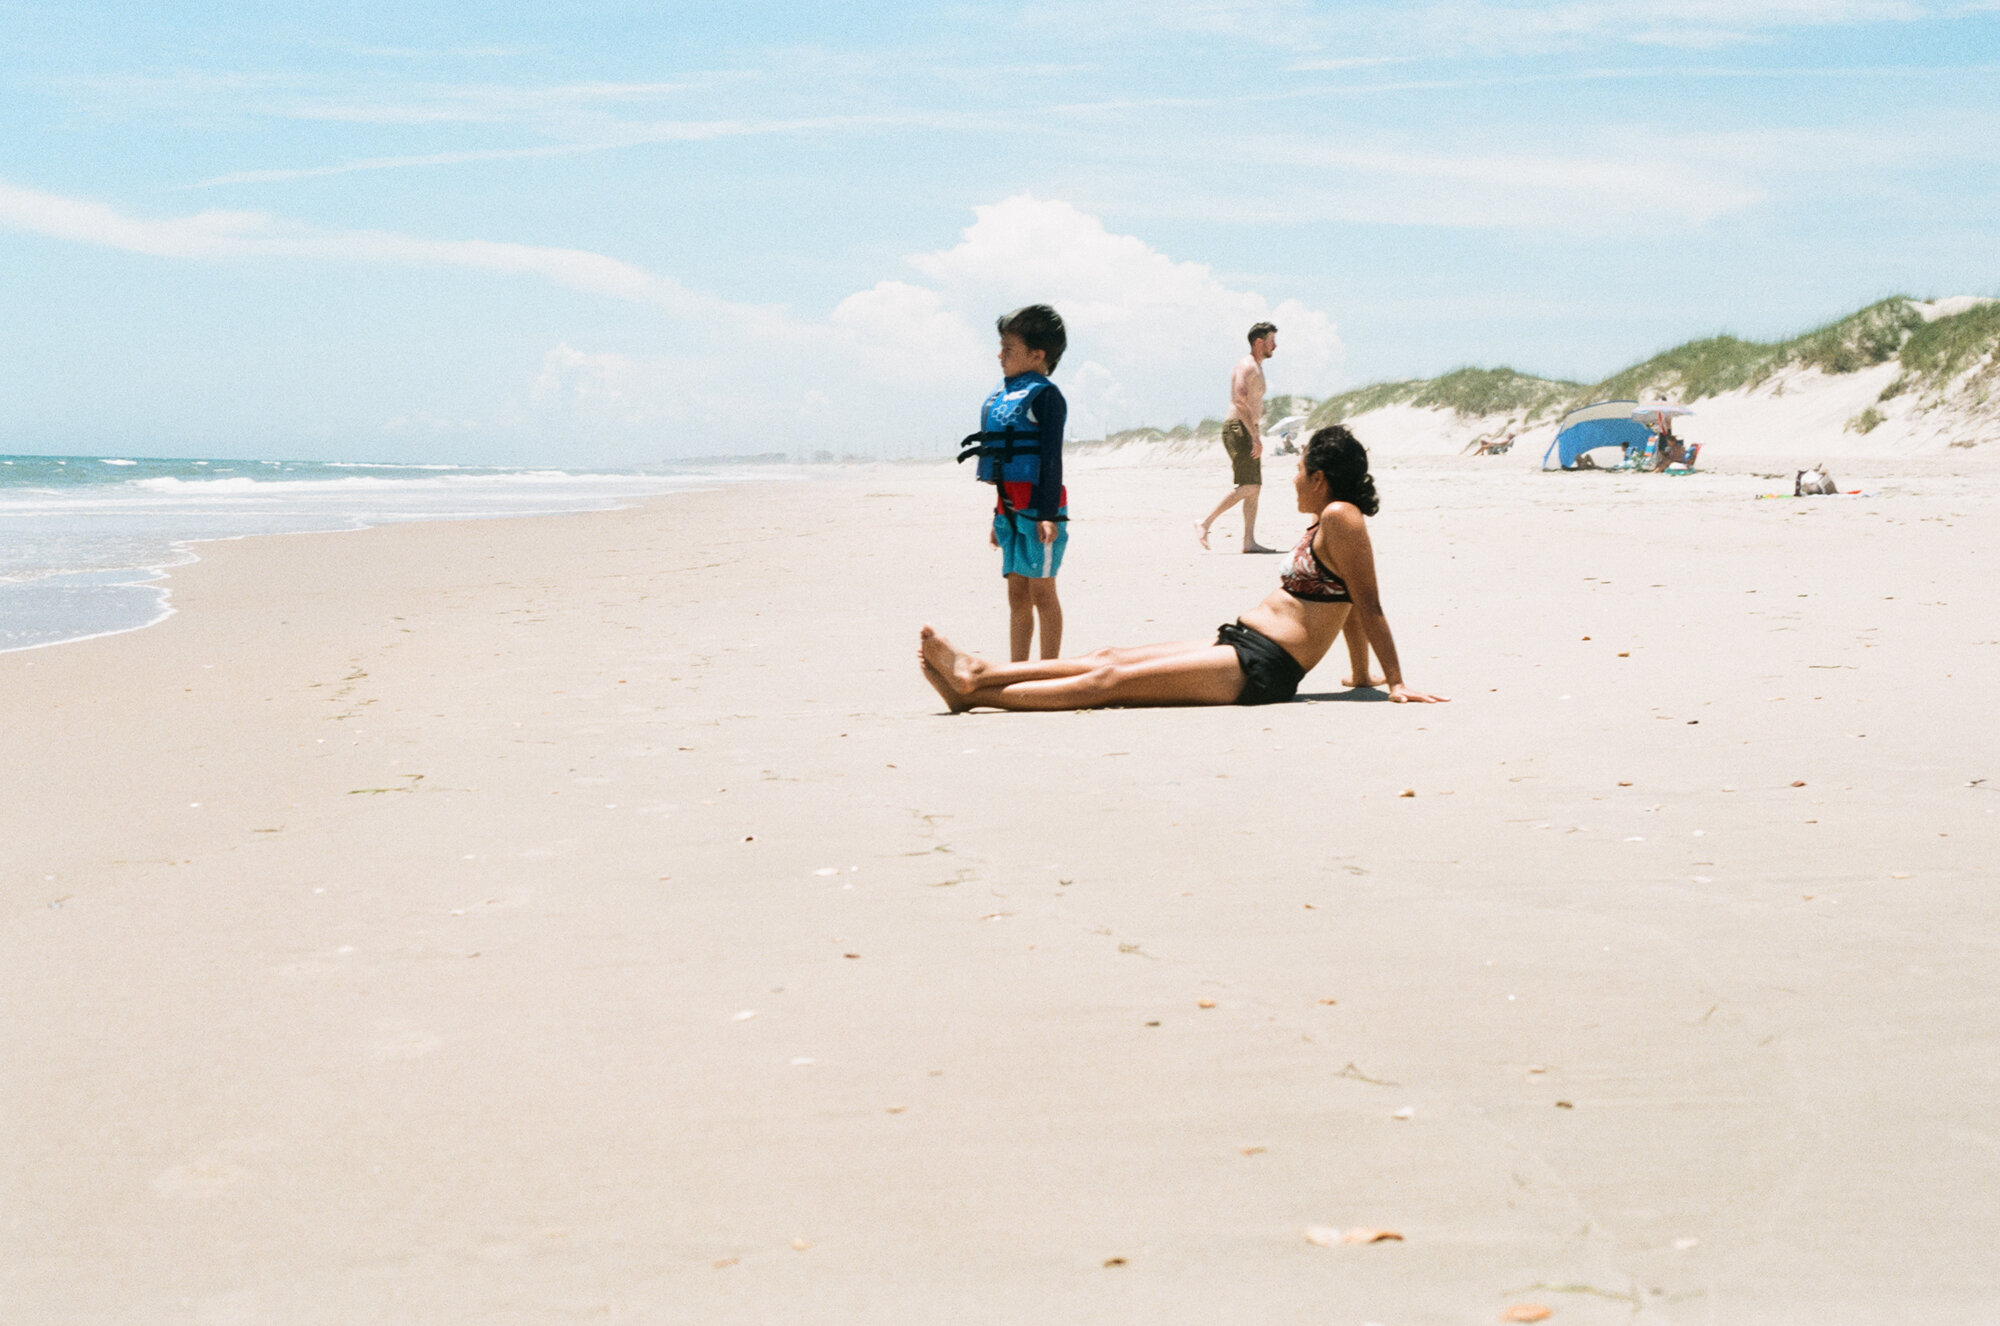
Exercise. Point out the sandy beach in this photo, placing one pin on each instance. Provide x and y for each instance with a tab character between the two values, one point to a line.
596	918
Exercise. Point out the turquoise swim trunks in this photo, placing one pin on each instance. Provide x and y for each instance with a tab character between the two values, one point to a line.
1022	552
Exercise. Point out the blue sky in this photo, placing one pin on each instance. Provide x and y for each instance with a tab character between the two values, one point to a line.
605	233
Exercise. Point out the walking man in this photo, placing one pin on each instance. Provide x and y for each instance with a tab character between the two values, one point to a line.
1243	437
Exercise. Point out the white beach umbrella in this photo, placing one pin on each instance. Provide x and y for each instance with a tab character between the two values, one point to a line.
1660	411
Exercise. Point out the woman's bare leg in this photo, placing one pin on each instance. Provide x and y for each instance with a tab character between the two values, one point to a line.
947	692
1206	674
969	672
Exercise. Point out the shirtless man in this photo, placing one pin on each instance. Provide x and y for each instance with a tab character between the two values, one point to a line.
1243	437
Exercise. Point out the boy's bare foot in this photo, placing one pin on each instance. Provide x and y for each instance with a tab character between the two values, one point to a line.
958	669
1250	547
1201	532
1354	685
953	701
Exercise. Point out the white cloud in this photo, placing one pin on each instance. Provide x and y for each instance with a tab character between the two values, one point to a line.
898	367
1151	338
907	332
901	367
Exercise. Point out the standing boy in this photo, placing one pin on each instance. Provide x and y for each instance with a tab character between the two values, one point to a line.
1020	454
1243	437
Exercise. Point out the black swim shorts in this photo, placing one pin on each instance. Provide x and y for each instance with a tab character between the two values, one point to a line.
1270	675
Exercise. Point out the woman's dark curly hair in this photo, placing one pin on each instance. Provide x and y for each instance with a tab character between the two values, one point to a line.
1339	455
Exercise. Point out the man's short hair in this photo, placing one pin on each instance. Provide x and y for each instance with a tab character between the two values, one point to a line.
1040	328
1261	330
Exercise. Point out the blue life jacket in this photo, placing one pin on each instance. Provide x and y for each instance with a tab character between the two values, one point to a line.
1008	443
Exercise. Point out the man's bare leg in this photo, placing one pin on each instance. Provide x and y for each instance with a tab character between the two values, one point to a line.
1234	496
1250	544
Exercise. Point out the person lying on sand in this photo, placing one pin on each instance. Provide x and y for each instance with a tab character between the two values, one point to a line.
1258	659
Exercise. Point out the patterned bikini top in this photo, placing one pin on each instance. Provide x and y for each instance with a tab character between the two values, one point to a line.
1307	577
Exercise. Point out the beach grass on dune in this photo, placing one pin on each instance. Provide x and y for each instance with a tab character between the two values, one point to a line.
1955	357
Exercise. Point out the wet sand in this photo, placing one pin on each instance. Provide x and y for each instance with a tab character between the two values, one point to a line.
597	918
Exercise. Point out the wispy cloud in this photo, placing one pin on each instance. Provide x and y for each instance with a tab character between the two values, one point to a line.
1483	27
296	96
627	136
1345	63
218	235
279	174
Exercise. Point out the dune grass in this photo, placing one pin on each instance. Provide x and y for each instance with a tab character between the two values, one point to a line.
1717	364
1963	349
1465	391
1939	351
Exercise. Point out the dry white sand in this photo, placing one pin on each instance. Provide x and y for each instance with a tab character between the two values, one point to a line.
595	918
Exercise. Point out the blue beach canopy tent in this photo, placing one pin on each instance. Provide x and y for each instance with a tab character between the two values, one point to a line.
1605	424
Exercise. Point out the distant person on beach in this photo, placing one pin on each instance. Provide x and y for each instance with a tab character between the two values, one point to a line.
1019	447
1260	658
1672	451
1243	437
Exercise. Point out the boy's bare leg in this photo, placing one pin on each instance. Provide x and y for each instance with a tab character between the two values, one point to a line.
1048	609
1250	544
1020	618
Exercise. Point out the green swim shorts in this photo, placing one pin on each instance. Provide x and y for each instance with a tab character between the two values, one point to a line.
1243	467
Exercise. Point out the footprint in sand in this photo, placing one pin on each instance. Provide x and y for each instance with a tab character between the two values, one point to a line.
198	1178
563	848
401	1040
243	1307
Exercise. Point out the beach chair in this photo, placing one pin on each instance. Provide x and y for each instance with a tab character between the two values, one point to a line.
1684	466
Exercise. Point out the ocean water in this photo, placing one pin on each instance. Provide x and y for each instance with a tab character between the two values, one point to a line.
84	539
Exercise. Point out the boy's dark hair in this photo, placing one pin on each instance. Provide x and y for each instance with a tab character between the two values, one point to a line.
1040	328
1261	330
1339	455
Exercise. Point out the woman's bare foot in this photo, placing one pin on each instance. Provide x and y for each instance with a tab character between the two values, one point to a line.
953	701
1354	685
957	669
1201	532
1250	547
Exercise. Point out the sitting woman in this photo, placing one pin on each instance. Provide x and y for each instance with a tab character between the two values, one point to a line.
1258	659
